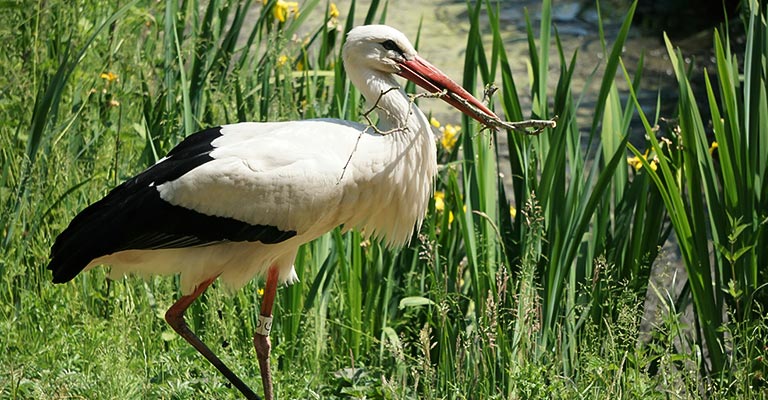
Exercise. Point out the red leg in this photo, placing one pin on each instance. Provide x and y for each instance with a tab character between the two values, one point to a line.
175	318
261	337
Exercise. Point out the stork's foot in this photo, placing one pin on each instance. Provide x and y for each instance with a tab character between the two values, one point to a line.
263	348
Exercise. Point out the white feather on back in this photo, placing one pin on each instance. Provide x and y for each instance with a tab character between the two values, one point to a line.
292	175
288	175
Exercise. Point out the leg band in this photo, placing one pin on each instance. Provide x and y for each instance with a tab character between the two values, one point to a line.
263	325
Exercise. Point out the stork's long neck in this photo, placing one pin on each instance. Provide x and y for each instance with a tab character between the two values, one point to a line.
393	106
404	178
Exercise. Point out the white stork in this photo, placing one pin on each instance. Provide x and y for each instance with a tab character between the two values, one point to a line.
237	201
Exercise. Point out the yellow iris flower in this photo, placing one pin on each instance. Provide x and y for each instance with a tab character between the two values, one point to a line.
450	136
439	200
283	9
333	11
108	76
440	204
450	133
637	163
712	148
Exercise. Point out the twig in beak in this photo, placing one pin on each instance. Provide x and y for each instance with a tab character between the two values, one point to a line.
493	122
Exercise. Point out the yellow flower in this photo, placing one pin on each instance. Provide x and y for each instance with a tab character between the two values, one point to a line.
439	200
450	136
512	211
282	60
450	133
712	148
440	205
260	291
108	76
637	162
283	9
333	12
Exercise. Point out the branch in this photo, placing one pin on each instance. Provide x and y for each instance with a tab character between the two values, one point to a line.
376	106
371	125
494	122
404	126
428	95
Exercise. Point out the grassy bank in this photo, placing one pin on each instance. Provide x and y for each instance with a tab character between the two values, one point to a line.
533	293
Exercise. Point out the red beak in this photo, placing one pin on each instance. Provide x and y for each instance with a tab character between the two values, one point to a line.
426	75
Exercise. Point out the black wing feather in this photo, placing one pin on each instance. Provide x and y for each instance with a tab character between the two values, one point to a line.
133	216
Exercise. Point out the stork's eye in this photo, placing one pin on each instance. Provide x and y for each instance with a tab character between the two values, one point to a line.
391	45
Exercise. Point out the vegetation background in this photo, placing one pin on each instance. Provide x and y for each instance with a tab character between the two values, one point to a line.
533	292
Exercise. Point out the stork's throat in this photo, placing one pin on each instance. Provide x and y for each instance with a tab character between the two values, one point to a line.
396	112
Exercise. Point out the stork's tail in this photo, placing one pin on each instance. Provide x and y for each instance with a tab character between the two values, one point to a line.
83	241
68	257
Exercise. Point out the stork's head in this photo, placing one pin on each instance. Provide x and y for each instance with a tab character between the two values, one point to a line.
377	47
384	49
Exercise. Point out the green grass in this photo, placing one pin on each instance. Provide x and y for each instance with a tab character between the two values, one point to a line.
482	304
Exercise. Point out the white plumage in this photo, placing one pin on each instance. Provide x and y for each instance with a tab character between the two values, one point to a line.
292	175
237	201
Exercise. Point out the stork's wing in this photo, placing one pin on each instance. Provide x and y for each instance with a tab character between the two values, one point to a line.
286	175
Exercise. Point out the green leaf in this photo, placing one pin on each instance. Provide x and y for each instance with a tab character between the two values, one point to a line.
415	301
